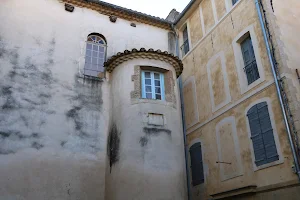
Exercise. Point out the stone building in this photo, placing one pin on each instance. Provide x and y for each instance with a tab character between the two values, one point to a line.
238	144
101	102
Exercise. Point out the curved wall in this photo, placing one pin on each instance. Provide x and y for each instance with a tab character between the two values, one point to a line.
147	161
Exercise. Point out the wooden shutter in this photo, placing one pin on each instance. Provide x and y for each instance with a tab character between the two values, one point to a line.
197	164
262	136
251	69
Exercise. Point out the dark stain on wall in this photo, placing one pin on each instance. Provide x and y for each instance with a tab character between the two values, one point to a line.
143	141
150	131
113	145
37	145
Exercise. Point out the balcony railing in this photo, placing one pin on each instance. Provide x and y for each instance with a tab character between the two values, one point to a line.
185	48
251	71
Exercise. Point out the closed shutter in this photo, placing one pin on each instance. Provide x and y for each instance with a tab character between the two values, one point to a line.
250	69
186	46
262	136
197	164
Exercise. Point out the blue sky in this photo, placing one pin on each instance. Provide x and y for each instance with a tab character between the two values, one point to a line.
158	8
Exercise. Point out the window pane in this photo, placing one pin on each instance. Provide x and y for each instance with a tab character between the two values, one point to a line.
95	54
101	55
148	81
88	53
149	95
87	66
156	76
89	46
101	49
157	83
148	88
101	42
157	90
158	96
147	74
95	47
100	61
88	59
94	60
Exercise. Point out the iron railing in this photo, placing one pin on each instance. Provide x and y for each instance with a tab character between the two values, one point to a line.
185	48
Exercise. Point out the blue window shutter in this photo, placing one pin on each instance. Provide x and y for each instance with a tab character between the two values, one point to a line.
197	164
264	145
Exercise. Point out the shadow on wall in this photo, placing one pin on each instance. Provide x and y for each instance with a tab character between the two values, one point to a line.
29	98
113	145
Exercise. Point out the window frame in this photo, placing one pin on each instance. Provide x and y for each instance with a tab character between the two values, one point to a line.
275	134
185	42
86	56
162	85
239	60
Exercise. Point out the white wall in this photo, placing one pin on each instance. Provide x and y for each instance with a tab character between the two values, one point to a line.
54	124
151	164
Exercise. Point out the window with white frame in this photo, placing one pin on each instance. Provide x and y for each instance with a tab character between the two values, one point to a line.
250	69
153	85
95	55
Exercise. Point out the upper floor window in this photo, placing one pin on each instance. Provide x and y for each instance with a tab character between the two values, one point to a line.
153	85
185	46
250	69
197	164
234	1
262	136
95	55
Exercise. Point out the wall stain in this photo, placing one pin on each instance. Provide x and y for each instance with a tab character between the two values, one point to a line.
37	145
113	145
156	131
143	141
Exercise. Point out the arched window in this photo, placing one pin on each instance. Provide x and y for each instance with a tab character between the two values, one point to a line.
95	55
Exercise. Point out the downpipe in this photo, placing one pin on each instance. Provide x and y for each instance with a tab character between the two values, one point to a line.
183	120
277	79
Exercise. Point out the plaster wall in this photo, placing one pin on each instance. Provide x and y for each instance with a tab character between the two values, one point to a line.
150	158
54	123
202	117
285	29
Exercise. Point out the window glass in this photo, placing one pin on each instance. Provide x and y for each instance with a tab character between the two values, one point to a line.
234	1
152	85
95	55
250	69
185	46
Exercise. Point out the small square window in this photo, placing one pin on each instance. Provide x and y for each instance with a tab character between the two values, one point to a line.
152	85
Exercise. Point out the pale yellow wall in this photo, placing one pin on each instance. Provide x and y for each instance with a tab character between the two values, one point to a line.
202	124
284	25
208	15
260	178
195	27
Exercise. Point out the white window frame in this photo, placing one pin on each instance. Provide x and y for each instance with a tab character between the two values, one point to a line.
239	59
162	85
275	134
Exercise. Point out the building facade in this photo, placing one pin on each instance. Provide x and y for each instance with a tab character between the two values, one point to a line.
237	141
72	127
102	102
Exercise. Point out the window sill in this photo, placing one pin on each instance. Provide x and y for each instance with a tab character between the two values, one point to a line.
151	101
278	162
251	86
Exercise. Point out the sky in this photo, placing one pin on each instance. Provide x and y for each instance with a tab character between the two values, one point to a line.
158	8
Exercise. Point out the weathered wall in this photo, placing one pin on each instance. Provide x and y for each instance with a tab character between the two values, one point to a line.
215	100
53	123
285	28
149	157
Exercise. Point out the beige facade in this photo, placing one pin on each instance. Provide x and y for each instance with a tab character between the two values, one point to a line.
216	98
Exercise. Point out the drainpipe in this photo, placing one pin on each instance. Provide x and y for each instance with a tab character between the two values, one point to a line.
277	79
183	120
